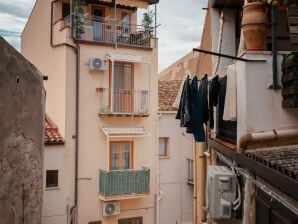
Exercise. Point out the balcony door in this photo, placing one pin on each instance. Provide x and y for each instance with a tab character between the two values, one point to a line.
121	155
125	18
98	23
123	87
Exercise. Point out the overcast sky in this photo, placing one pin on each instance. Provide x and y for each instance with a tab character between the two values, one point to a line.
180	29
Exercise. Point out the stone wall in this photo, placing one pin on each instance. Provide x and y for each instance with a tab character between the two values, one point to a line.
22	100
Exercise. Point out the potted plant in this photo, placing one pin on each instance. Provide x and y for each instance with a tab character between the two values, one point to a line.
255	21
254	25
147	22
79	18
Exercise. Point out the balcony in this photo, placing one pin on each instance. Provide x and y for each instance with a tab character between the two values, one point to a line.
123	102
109	31
123	184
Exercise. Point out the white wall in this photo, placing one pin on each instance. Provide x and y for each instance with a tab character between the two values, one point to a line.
54	199
227	37
176	205
258	107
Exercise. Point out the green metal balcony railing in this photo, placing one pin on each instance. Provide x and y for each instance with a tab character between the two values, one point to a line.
124	182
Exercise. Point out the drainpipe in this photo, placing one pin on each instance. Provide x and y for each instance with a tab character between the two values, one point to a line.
74	207
200	164
266	135
274	50
115	16
158	195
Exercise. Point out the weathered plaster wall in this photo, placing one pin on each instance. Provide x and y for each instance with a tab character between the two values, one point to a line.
22	98
176	204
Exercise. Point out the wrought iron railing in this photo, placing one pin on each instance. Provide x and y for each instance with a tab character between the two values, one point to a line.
190	171
124	182
109	31
123	101
226	130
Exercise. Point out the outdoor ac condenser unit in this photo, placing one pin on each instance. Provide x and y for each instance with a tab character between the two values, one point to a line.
98	64
221	188
110	208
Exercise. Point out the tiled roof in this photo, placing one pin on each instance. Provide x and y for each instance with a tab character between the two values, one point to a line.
283	159
52	135
167	93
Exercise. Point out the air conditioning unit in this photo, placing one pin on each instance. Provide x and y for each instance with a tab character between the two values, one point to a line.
98	64
221	188
110	208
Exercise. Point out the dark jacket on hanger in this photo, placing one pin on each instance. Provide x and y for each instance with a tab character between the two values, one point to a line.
197	118
213	99
184	111
203	95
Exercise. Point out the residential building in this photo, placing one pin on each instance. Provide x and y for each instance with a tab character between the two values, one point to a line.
187	65
175	166
102	94
258	149
21	138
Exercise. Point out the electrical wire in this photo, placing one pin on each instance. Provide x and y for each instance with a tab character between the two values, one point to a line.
264	188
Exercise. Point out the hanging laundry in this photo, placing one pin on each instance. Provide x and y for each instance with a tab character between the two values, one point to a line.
230	109
178	98
197	111
203	95
184	111
213	99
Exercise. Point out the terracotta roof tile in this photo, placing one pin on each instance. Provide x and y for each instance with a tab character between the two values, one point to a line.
283	159
52	135
167	93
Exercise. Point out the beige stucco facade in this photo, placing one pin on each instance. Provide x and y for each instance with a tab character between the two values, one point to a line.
60	63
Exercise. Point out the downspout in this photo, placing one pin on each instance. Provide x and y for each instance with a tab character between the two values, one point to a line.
274	50
115	16
267	135
77	125
74	207
158	194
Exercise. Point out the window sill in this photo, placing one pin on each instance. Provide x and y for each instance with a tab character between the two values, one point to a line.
52	188
163	157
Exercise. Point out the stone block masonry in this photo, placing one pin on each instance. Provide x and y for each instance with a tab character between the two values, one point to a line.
22	103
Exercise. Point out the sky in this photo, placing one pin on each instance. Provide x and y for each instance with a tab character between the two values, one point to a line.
180	29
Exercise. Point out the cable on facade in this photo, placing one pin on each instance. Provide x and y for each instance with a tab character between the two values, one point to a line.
264	188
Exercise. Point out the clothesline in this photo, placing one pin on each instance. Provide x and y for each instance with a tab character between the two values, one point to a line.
196	105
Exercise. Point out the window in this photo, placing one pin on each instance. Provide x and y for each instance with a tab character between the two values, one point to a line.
163	146
65	9
123	87
121	155
137	220
52	178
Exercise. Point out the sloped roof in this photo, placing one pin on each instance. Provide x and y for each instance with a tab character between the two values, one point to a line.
167	93
283	159
52	135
